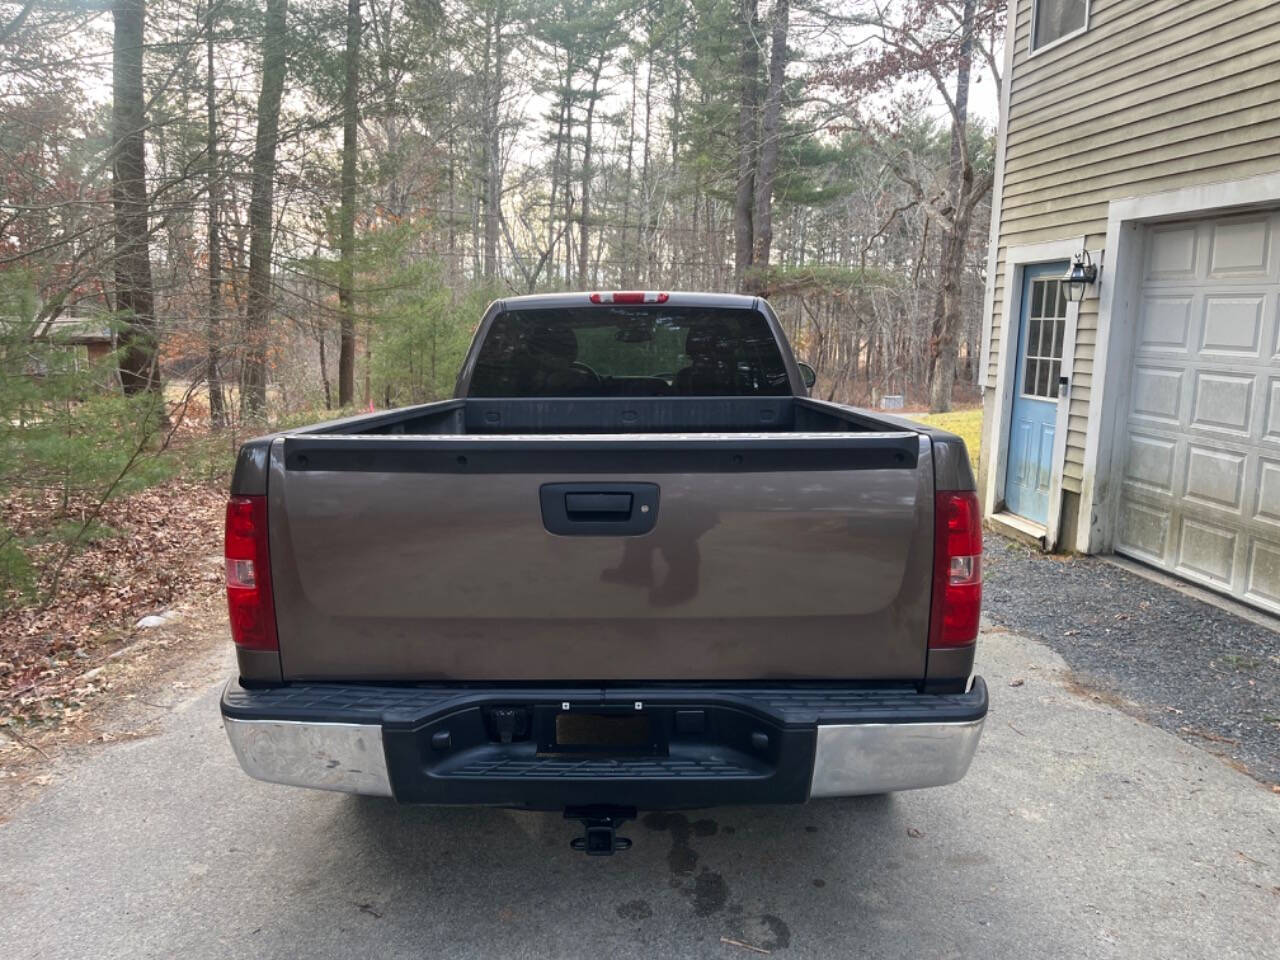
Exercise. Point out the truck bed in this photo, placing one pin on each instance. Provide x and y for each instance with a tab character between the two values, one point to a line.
557	416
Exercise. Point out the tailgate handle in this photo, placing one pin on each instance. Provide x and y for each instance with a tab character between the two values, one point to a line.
595	509
608	507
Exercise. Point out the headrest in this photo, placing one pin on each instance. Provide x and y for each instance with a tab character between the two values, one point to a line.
708	340
560	342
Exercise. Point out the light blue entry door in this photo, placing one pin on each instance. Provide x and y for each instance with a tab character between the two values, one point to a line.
1041	328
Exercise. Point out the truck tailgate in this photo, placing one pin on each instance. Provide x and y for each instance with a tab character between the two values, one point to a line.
770	556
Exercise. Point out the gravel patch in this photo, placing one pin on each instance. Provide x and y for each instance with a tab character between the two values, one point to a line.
1200	672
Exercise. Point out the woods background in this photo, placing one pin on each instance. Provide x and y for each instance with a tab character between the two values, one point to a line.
221	213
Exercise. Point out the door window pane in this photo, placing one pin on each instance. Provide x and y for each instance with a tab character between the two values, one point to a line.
1029	376
1046	331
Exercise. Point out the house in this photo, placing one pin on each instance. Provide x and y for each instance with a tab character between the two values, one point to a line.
86	337
1145	419
90	337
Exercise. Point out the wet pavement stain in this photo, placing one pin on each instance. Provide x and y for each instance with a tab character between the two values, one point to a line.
780	937
682	859
765	931
635	910
710	893
781	932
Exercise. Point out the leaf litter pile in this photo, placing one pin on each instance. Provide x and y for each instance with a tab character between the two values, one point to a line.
144	553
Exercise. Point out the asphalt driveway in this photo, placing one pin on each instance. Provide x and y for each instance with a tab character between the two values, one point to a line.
1195	669
1080	832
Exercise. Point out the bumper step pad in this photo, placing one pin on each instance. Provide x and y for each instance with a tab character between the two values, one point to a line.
799	704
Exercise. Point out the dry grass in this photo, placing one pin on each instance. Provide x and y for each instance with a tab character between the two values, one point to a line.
967	424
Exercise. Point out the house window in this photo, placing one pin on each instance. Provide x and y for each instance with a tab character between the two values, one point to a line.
1055	20
1046	325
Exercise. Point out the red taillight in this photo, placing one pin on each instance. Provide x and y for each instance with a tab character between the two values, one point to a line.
630	296
957	569
253	615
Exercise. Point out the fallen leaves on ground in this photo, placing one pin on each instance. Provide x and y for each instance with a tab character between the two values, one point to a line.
1207	735
160	545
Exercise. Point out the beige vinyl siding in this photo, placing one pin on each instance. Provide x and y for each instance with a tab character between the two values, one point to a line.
1155	95
1117	56
1081	386
997	307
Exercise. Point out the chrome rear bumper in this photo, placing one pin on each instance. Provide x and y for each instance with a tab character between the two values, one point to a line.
325	756
857	759
851	760
432	746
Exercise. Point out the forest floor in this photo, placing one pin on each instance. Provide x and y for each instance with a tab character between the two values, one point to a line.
126	578
148	557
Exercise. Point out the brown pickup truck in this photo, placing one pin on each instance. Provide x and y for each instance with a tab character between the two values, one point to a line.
632	565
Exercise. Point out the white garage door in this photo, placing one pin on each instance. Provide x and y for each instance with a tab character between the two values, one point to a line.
1201	494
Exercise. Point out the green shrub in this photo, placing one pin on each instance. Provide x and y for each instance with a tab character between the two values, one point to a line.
67	430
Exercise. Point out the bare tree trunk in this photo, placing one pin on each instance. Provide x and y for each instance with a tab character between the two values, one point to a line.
213	376
948	316
368	361
770	131
493	145
644	227
584	249
321	335
552	235
253	395
347	213
453	202
625	253
567	95
134	301
675	229
748	96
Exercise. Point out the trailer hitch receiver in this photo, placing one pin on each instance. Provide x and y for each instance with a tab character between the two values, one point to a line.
599	829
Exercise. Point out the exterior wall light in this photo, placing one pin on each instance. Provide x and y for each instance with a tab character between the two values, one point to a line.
1082	275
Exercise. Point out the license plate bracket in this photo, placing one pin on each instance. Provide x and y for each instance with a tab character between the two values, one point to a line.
601	731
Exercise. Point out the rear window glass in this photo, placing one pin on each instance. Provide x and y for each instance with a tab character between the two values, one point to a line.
630	351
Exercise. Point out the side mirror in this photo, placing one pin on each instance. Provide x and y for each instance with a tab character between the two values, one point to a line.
807	374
